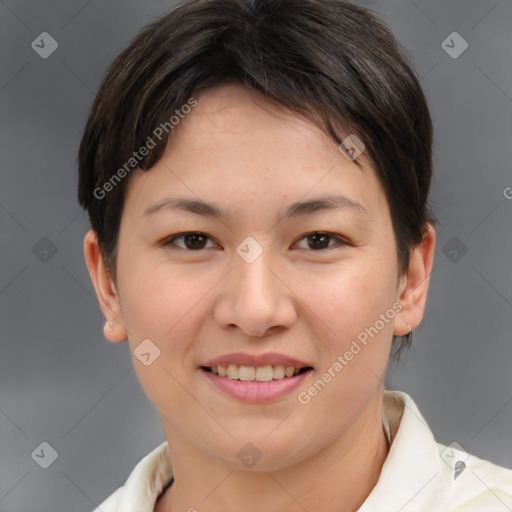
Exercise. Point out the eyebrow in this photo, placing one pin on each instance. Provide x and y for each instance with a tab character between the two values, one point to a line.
298	209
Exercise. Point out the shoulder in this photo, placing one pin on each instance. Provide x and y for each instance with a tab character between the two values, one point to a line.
449	479
477	485
143	485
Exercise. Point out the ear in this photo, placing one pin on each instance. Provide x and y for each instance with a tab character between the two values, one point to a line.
413	287
108	298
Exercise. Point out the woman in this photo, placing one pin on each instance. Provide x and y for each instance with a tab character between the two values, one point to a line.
257	174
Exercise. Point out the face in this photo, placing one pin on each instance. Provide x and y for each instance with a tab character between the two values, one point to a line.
261	282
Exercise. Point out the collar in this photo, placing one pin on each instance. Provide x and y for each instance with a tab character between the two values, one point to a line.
414	476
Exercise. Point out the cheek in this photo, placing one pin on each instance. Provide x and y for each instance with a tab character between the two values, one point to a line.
348	299
157	297
354	353
163	306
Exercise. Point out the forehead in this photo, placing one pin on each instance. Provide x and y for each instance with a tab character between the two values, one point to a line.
232	110
236	144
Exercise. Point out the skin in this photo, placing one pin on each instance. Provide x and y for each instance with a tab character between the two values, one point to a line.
253	159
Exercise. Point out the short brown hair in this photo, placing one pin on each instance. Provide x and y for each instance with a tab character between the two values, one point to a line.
332	61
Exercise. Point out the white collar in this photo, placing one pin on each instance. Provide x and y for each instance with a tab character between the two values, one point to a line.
418	474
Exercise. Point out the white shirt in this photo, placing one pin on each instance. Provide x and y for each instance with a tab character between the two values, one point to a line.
418	474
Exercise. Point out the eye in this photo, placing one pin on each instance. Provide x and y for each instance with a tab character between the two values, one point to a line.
193	240
196	240
318	240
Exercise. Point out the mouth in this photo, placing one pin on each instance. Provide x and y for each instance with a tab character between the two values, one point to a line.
265	373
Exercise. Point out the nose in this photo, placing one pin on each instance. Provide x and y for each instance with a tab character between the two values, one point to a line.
256	297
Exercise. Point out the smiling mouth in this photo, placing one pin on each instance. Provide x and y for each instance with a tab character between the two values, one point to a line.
255	373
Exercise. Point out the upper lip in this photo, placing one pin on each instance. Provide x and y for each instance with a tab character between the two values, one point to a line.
244	359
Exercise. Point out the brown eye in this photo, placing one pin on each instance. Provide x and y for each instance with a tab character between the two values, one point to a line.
193	240
319	240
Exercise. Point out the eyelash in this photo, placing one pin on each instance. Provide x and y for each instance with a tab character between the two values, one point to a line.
170	240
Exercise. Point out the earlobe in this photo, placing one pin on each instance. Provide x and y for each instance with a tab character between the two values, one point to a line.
114	329
413	288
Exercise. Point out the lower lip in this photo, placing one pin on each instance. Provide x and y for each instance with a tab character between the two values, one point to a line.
257	392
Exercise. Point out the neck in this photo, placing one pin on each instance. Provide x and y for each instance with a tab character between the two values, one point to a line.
337	479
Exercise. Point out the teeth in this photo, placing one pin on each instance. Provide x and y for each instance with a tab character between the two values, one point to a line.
251	373
264	373
232	371
246	372
278	372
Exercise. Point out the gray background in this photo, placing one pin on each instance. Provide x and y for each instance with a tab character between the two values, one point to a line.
63	383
